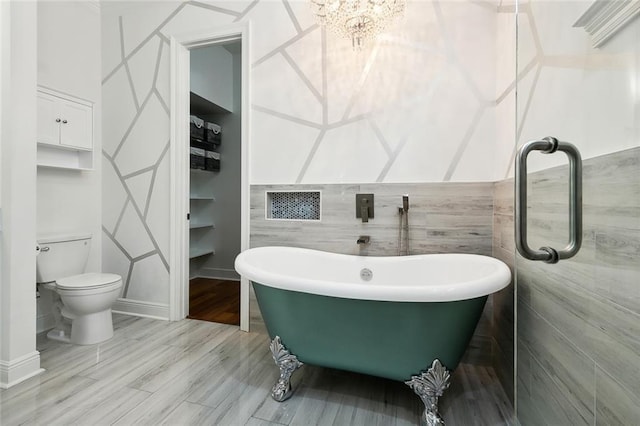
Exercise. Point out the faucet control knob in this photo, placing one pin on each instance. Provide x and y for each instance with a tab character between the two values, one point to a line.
364	207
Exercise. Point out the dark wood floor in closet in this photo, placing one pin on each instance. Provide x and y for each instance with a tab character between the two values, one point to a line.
214	300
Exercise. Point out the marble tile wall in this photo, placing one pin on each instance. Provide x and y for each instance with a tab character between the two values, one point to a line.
443	218
578	328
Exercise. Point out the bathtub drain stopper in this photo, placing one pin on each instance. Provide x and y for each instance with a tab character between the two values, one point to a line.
366	274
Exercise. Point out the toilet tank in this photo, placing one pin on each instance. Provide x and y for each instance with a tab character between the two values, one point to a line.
61	256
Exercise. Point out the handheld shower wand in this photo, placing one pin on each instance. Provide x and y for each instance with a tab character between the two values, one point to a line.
403	212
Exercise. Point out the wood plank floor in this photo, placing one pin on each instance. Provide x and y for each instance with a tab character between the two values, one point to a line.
214	300
193	372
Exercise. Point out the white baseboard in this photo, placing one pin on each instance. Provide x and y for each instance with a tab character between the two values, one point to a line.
20	369
141	309
218	274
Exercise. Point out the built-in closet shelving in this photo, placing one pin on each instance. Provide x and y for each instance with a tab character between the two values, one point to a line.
195	251
201	197
201	222
199	217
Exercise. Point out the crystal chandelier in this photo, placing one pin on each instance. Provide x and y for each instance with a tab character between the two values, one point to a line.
359	20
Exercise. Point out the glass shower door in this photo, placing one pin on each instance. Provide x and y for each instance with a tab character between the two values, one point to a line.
577	337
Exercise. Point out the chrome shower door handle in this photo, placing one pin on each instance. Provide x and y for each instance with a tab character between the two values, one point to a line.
549	145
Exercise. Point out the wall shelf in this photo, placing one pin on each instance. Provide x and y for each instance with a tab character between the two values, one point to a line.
197	224
204	171
202	106
64	158
202	197
200	251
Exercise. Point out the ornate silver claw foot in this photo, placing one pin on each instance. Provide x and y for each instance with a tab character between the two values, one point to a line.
287	363
429	386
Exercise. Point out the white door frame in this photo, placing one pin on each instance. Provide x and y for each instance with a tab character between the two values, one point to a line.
179	227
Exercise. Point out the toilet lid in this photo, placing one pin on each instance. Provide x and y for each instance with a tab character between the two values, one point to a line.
89	280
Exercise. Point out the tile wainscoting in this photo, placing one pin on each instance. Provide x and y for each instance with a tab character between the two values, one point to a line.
443	218
579	320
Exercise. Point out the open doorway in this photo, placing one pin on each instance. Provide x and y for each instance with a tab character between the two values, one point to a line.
214	181
210	205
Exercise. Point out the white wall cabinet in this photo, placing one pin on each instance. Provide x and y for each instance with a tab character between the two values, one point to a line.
64	131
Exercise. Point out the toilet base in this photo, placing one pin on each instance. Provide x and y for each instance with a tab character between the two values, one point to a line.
58	335
92	328
85	329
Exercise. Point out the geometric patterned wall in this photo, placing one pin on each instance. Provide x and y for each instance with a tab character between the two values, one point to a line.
136	169
417	105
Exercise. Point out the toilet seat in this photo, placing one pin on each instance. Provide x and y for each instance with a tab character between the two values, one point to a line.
89	281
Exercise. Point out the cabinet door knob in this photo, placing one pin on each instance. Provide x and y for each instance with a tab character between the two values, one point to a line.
57	120
64	121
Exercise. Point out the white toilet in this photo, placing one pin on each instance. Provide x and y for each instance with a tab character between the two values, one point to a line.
86	298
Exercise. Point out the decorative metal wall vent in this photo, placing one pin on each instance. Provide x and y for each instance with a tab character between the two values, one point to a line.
293	205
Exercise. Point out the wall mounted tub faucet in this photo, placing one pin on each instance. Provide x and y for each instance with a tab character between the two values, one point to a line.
363	239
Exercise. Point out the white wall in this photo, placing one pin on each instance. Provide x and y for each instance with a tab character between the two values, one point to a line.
18	356
212	75
69	47
69	61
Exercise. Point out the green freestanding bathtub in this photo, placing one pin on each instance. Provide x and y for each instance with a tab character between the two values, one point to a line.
406	318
